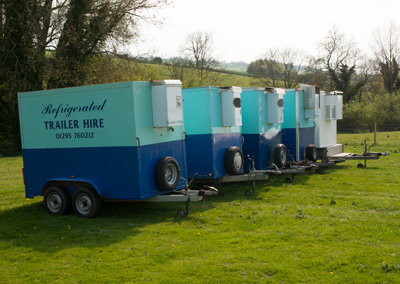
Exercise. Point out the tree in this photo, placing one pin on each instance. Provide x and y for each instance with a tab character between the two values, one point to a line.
387	55
200	55
292	61
120	68
342	80
335	68
76	31
251	68
157	60
337	51
368	76
19	63
315	74
178	68
270	69
90	27
278	66
256	68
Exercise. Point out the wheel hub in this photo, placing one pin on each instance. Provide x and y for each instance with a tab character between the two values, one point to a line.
237	160
54	202
171	174
283	157
83	204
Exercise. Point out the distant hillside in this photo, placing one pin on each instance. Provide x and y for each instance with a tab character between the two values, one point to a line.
239	66
235	66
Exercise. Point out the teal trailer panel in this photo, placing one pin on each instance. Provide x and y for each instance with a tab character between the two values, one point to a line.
207	138
103	135
261	131
298	129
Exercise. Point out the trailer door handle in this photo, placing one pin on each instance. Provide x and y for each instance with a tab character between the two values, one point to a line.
138	140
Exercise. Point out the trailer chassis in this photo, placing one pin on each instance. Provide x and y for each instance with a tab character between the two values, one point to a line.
331	160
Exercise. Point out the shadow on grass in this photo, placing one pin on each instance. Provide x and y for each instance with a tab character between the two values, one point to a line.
30	226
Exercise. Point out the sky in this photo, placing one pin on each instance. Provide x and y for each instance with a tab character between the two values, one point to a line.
244	30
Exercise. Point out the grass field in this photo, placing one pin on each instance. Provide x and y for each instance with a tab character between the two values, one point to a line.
338	227
225	79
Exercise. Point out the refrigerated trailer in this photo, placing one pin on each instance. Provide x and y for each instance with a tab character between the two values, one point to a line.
299	123
262	127
330	107
213	120
121	141
263	118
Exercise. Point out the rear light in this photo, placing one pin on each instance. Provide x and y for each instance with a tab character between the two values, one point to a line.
23	175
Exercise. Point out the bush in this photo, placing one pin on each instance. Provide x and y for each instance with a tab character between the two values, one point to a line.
361	115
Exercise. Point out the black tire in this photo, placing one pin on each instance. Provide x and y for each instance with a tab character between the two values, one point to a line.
57	200
182	213
167	173
234	160
86	202
288	180
280	155
311	153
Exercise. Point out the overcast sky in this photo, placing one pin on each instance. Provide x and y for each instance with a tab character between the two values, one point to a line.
245	29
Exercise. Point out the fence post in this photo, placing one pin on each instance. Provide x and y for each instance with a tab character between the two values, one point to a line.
374	132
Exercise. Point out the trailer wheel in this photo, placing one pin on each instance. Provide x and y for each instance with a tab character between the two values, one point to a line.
167	173
311	153
289	180
234	160
86	202
280	155
182	213
57	201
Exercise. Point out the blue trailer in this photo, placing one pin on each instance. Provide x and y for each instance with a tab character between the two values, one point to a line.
121	141
262	127
213	135
299	123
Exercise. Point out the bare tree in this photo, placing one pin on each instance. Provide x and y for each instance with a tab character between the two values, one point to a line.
269	68
178	68
369	76
200	54
338	50
292	61
335	68
316	74
387	53
280	67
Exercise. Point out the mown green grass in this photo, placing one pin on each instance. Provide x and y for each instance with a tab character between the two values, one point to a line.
338	227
